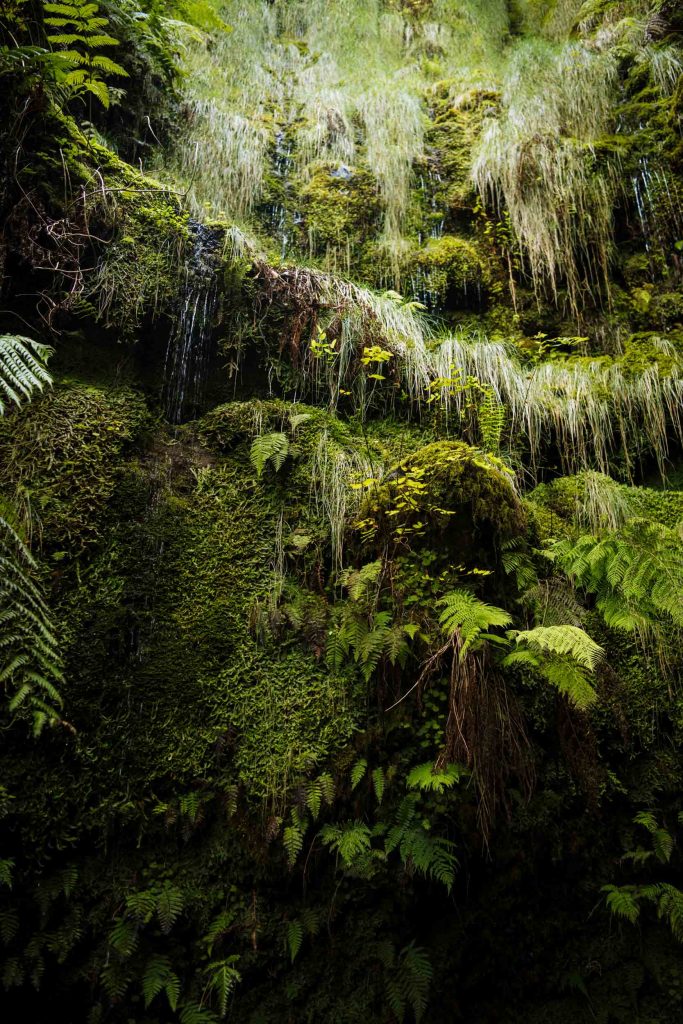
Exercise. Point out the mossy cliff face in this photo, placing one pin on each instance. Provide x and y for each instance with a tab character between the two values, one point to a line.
289	781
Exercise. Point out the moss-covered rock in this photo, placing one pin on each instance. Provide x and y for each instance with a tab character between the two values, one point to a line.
341	207
452	266
450	495
62	457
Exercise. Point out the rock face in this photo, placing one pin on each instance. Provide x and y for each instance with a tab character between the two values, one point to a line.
341	562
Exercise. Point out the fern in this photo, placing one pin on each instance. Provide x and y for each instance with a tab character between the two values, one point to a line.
267	448
124	937
223	978
9	925
427	778
636	575
293	836
350	841
295	938
78	64
218	928
142	905
160	977
30	666
564	655
22	369
358	771
360	583
193	1013
432	857
378	783
169	904
565	641
621	901
6	869
469	618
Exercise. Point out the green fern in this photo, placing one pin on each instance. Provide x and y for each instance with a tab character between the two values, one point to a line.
378	781
564	655
124	937
265	448
6	869
358	771
22	369
361	583
350	841
621	901
635	574
293	836
217	929
77	62
565	641
169	905
431	856
9	925
30	665
193	1013
468	618
295	938
160	977
223	978
427	778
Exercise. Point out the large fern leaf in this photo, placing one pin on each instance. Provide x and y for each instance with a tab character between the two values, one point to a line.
22	368
469	618
265	448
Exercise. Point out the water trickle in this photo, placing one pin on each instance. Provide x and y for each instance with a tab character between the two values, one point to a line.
189	348
278	212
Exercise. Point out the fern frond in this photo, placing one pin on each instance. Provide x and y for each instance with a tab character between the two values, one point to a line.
267	448
621	901
169	906
22	368
349	841
427	778
465	615
358	771
566	641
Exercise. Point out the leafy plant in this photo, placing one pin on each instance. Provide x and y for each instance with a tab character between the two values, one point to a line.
471	619
79	64
22	368
30	663
635	574
267	448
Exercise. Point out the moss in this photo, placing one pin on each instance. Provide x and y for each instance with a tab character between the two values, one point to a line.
451	495
560	506
452	134
63	454
452	265
648	348
341	207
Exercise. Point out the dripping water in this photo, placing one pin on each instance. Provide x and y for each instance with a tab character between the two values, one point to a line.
189	347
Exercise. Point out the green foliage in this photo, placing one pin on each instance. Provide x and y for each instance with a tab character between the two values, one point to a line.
78	64
635	573
269	448
350	842
223	978
30	661
408	981
293	836
428	778
564	655
469	619
158	977
22	369
358	772
430	856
